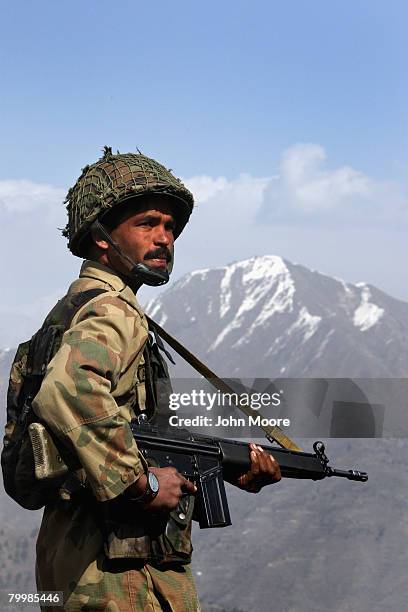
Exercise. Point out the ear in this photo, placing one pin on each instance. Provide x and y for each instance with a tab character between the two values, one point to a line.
99	240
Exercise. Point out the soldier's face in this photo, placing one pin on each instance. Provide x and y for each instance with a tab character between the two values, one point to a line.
146	235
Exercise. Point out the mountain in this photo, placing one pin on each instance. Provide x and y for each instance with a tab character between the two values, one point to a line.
297	546
268	317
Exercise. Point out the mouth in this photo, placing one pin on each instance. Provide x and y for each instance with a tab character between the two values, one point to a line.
158	262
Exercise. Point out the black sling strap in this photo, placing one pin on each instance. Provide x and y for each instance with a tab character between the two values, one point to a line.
272	433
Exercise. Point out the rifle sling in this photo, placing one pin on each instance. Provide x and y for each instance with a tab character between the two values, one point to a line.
272	433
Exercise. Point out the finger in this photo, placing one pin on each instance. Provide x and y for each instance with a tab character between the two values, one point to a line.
275	465
269	464
188	486
264	463
243	480
254	455
276	473
181	478
263	460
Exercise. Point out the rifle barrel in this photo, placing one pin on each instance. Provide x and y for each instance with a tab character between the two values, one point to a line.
234	455
349	474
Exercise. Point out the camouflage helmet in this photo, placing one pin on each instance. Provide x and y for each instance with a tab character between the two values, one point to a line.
115	179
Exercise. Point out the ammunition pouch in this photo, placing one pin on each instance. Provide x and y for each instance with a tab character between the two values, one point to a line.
131	533
29	491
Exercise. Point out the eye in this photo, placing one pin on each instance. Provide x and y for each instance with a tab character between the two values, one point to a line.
149	222
170	226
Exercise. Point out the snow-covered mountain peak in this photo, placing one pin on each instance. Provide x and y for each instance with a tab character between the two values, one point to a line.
266	314
258	277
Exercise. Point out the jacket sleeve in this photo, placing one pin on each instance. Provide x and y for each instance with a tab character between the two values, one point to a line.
75	399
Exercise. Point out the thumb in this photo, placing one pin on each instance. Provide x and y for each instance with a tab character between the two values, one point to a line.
189	486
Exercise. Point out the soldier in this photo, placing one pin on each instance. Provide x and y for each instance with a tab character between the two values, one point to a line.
117	536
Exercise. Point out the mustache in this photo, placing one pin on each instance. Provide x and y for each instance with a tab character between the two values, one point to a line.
159	253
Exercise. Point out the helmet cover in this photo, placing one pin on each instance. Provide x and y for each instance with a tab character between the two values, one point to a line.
115	179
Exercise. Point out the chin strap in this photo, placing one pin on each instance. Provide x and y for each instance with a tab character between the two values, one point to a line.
140	271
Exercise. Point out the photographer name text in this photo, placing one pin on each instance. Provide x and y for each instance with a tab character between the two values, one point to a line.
230	421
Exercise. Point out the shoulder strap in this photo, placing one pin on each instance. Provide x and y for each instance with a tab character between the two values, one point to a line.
45	343
272	433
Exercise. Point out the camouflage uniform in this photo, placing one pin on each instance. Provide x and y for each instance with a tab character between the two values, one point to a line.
87	400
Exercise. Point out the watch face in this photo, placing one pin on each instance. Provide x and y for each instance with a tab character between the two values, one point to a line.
153	483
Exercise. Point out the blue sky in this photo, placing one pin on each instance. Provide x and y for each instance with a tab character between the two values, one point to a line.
214	87
308	97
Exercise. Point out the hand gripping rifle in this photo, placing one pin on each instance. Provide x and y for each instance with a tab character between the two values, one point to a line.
208	461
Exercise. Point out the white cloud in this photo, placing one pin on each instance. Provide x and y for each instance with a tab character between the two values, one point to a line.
208	190
311	188
306	190
294	213
205	187
225	213
34	258
22	195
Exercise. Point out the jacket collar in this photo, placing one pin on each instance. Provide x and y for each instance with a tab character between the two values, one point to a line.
93	269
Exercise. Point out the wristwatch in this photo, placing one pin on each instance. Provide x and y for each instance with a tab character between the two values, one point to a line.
151	491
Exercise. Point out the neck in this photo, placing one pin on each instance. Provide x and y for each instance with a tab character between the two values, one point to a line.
132	282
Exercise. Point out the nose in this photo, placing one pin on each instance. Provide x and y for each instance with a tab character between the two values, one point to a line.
163	236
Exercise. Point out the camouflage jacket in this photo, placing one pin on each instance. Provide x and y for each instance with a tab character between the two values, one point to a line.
89	389
89	394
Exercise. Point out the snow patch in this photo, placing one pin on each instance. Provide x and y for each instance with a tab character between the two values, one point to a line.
203	272
154	309
308	323
267	284
225	297
305	323
367	314
343	284
323	345
163	320
228	329
156	305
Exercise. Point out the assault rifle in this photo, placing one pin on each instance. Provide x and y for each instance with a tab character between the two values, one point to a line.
208	461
